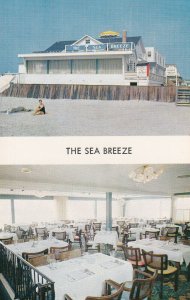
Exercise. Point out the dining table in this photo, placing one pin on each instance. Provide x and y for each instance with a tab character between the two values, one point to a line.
86	275
8	235
36	246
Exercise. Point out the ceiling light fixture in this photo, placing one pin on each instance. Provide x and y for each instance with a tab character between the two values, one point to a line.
145	174
26	170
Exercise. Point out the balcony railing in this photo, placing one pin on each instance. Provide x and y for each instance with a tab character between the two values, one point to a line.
26	281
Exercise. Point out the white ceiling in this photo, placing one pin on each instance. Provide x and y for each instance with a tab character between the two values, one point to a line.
57	180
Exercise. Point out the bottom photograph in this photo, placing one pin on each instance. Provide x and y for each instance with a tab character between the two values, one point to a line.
94	232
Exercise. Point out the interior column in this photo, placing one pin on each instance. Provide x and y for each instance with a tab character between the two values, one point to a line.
108	211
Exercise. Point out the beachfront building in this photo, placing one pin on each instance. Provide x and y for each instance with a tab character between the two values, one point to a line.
173	76
107	60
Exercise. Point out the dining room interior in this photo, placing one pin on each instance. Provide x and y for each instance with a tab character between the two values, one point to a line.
94	232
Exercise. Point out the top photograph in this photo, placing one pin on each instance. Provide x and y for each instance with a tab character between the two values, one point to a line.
94	68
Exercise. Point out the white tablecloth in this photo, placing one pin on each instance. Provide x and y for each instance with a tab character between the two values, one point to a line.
7	235
137	231
161	226
106	237
175	252
69	231
85	276
32	247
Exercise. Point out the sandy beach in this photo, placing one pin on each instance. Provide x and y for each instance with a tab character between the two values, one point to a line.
92	117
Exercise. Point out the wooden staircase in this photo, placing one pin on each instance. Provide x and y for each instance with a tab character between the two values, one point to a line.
183	96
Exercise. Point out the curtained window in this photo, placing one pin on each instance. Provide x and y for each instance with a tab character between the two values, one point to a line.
59	67
37	66
110	66
84	66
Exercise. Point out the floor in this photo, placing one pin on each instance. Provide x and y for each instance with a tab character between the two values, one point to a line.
92	117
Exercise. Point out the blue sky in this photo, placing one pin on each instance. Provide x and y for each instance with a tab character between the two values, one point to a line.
32	25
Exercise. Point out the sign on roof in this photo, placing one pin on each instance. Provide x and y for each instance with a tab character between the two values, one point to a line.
100	47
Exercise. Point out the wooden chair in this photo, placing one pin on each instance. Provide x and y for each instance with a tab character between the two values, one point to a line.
7	241
172	232
150	235
70	254
138	289
159	262
38	261
133	255
128	237
89	243
58	250
187	231
97	226
29	255
78	237
61	236
41	232
115	296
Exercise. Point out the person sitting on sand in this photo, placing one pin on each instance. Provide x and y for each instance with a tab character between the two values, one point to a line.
40	110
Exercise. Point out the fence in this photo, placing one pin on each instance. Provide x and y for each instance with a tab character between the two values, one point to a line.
92	92
26	281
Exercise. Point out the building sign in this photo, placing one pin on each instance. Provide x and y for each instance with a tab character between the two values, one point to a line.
75	48
100	47
120	46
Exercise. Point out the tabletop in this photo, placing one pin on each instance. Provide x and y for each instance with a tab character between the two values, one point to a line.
37	246
86	275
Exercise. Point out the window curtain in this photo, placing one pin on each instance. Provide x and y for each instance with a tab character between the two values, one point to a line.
59	67
37	66
84	66
110	66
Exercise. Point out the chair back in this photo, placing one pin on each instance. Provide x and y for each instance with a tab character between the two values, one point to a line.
97	226
29	255
155	261
60	235
151	234
58	249
115	296
7	241
172	230
38	261
142	287
132	254
70	254
41	232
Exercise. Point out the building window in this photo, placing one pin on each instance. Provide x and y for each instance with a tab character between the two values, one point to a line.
149	53
87	41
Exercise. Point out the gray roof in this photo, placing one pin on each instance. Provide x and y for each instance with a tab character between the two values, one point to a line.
60	46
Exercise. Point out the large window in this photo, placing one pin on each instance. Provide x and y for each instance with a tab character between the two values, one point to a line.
59	66
148	208
28	211
181	209
37	66
5	212
110	66
84	66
